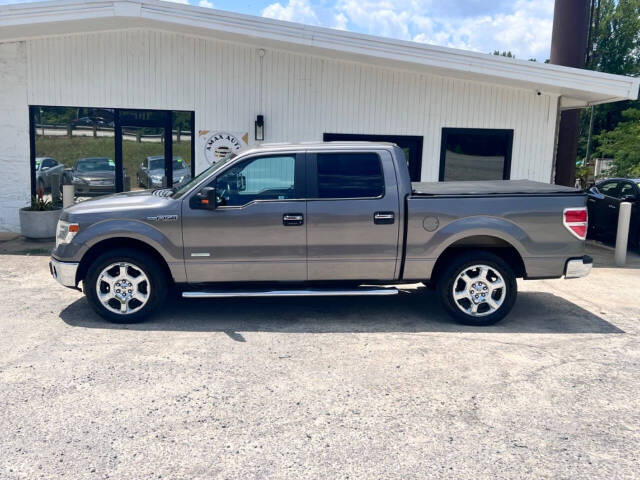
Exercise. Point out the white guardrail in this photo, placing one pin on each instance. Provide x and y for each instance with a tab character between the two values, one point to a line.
89	131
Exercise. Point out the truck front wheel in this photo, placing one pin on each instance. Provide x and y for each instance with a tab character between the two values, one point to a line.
125	285
478	288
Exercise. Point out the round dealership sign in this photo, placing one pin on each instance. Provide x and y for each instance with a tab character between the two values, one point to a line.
218	144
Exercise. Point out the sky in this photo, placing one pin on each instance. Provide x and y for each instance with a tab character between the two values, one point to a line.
521	26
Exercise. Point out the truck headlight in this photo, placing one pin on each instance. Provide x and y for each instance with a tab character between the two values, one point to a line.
78	180
65	232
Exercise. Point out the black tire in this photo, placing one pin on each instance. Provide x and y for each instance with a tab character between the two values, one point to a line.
138	259
465	261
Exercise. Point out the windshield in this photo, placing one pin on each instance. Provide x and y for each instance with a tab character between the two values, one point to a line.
158	163
202	175
95	164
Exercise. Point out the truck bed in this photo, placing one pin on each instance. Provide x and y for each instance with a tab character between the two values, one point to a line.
489	187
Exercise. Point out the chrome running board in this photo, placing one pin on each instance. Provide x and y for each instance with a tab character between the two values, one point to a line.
290	293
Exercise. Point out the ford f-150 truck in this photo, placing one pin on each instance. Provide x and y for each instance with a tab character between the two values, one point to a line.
320	219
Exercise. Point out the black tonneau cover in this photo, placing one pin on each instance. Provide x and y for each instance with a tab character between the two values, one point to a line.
490	187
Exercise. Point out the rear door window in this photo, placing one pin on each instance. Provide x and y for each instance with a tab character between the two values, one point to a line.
350	175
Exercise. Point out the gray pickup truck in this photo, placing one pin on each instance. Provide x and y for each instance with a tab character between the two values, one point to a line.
320	219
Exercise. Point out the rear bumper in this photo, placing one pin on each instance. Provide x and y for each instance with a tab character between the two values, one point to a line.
64	272
578	267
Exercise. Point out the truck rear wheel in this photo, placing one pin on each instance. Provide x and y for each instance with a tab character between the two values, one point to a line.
478	288
125	285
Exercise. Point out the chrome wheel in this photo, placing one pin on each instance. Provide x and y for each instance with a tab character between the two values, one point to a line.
123	288
479	290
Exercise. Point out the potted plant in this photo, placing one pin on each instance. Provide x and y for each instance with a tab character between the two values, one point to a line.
39	220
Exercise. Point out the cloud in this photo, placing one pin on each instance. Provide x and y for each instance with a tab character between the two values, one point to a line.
309	12
377	17
295	11
526	31
521	26
205	3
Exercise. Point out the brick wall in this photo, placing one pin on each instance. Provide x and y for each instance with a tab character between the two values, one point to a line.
14	135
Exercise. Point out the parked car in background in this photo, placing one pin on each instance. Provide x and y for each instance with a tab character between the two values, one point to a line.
94	176
46	168
152	171
603	202
91	121
329	219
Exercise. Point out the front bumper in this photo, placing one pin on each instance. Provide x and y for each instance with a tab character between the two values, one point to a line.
64	272
578	267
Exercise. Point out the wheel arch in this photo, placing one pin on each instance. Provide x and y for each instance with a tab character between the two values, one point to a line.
120	242
487	242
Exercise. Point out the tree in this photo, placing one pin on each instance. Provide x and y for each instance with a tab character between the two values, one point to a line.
614	47
623	145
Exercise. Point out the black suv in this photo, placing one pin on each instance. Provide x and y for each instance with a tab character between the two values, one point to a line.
604	206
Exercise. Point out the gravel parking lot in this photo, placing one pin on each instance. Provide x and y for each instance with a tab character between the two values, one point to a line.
321	388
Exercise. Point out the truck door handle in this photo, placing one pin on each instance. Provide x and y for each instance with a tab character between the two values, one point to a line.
292	219
384	218
612	206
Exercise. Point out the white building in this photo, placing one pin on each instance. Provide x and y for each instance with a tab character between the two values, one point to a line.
458	114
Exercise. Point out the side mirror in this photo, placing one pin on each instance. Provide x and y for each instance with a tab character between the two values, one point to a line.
207	198
594	190
45	168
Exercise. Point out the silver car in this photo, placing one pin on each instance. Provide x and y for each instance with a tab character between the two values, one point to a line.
94	176
46	168
152	172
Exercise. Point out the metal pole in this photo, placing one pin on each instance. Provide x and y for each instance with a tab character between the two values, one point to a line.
589	138
622	236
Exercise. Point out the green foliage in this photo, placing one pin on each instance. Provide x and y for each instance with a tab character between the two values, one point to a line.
616	38
39	203
504	54
582	174
615	48
623	145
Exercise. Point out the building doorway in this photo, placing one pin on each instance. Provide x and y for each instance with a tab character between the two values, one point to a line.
410	145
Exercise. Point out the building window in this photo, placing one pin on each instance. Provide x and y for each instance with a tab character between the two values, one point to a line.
106	150
475	154
349	175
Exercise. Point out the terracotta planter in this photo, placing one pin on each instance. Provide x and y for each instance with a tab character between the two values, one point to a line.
35	224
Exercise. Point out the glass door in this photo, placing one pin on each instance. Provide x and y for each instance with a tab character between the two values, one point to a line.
143	158
144	149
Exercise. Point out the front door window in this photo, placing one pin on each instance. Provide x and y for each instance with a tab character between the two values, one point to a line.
264	178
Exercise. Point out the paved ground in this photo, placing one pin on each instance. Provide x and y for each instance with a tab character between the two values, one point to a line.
321	388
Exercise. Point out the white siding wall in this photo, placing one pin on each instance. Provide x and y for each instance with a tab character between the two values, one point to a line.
14	135
303	96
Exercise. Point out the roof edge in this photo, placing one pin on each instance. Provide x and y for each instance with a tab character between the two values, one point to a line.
608	87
